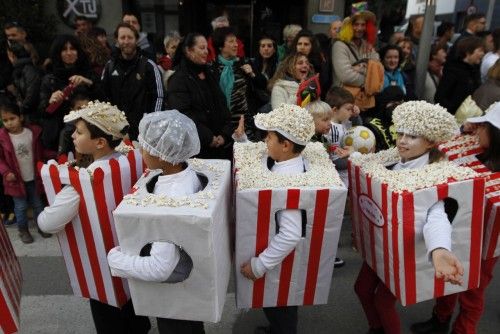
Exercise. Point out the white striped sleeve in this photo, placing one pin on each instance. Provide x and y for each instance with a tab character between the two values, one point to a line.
159	86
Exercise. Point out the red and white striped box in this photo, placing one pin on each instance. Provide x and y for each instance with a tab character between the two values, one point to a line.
388	226
10	285
87	239
463	150
199	223
304	276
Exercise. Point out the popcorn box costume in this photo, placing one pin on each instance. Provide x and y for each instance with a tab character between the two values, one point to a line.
463	150
199	223
389	209
10	285
86	241
304	276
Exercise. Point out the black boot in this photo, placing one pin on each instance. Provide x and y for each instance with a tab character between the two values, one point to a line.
431	326
25	235
43	234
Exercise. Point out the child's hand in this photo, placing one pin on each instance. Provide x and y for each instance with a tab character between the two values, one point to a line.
10	177
240	130
246	270
355	111
447	266
344	152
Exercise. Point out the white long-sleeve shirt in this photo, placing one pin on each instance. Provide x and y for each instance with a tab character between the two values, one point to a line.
290	223
65	207
164	256
437	229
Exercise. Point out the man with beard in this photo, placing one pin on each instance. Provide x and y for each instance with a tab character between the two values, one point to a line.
358	36
131	81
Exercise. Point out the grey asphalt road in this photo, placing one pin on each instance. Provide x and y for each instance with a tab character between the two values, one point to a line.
48	305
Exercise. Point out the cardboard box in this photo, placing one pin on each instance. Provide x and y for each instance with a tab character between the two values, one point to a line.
388	226
304	276
199	223
463	150
10	285
86	241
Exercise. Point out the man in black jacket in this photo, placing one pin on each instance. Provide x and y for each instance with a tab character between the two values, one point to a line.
131	81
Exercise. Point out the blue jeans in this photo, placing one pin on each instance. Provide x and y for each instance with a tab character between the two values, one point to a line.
21	205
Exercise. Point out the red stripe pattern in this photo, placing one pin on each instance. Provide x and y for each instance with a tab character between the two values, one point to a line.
304	276
10	285
398	239
463	150
86	240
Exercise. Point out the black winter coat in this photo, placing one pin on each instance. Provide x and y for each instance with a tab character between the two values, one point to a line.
27	80
459	81
135	86
203	102
52	124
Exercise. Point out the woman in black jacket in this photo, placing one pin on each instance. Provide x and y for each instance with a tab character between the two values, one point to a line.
264	66
194	91
25	77
70	68
461	76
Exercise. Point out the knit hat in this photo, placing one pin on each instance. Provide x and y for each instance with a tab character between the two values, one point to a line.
103	115
293	122
491	116
420	118
169	135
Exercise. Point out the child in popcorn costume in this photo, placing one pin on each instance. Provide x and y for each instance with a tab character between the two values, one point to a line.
167	140
289	128
99	128
420	127
487	129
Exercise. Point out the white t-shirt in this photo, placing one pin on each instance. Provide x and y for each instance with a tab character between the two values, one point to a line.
164	256
23	147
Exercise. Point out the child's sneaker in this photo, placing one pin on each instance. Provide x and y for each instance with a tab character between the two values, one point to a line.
10	220
25	235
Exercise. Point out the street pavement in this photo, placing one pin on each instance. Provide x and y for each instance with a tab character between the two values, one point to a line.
48	306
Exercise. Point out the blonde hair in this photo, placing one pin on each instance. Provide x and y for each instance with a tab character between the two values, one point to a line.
170	37
319	109
286	67
290	30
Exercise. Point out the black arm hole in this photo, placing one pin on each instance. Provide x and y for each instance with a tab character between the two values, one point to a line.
203	180
146	250
451	208
304	221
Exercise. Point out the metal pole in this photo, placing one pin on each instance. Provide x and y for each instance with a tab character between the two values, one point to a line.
489	14
252	2
424	48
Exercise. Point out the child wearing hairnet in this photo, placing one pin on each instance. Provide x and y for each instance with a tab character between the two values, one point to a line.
167	139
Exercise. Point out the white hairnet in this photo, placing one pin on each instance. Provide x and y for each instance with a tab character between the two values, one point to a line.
169	135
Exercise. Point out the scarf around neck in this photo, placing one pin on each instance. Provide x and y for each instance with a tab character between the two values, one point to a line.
226	81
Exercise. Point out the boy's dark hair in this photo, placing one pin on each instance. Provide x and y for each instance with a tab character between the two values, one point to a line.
472	17
95	133
435	155
467	45
443	28
97	31
126	25
8	104
491	156
297	148
219	37
80	93
338	96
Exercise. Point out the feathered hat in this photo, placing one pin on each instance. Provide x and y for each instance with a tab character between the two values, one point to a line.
346	31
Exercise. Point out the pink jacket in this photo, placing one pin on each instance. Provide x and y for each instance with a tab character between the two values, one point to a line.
8	162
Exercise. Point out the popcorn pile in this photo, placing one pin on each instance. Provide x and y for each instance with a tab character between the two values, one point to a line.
420	118
200	199
375	165
252	172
